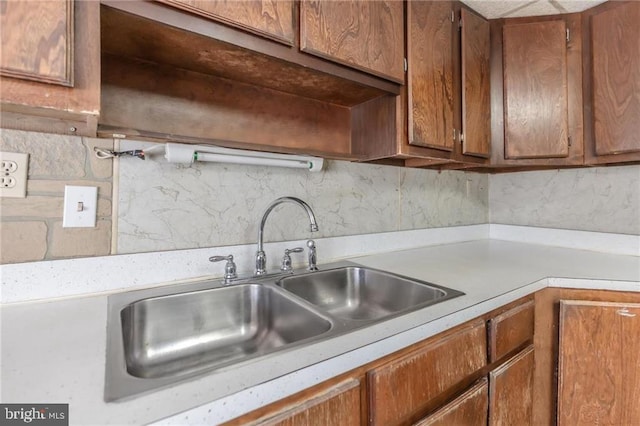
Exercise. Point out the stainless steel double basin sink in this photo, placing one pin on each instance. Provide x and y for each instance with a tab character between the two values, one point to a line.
155	338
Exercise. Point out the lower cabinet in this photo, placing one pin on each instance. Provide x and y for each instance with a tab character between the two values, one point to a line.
469	409
511	390
447	379
599	363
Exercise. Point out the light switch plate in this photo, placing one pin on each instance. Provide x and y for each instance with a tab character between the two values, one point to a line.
80	206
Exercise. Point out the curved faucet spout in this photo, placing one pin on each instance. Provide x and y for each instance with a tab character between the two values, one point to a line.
261	257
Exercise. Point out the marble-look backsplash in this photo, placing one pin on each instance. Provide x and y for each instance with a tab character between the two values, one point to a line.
163	206
604	199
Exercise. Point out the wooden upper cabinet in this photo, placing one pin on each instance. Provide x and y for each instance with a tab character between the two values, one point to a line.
430	74
366	35
615	40
469	409
535	90
511	391
599	363
37	40
273	19
50	71
476	87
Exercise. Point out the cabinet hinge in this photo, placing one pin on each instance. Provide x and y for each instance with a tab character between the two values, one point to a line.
461	138
569	140
568	35
460	23
406	65
454	134
453	16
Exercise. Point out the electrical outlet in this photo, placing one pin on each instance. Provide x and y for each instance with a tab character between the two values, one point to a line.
13	178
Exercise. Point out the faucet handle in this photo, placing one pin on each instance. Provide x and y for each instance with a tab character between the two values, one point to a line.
286	260
313	257
229	269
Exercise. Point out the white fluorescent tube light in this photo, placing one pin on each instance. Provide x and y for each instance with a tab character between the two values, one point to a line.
182	153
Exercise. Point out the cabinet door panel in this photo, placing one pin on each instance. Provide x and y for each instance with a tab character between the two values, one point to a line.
402	389
599	363
616	79
476	88
269	18
535	90
511	391
430	87
469	409
37	40
510	330
368	35
339	405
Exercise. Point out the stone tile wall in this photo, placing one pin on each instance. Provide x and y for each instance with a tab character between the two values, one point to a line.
31	228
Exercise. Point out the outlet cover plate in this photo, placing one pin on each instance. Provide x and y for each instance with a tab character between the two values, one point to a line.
80	206
13	180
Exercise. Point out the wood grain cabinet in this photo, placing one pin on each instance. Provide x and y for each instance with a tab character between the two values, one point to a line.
612	83
511	391
469	409
406	388
536	91
443	113
273	19
367	35
336	404
50	65
443	380
599	363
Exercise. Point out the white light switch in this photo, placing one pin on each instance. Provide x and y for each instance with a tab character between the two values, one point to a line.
80	206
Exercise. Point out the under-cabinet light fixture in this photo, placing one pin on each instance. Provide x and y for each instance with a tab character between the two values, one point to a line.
188	154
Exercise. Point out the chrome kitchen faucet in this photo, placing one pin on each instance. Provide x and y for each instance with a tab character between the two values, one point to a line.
261	257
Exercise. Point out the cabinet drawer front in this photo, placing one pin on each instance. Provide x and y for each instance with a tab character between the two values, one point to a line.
469	409
402	389
510	330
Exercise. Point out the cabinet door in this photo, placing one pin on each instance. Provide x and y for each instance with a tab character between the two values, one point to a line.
469	409
404	389
337	405
615	37
37	40
476	88
599	363
367	35
430	87
37	50
511	391
270	18
535	90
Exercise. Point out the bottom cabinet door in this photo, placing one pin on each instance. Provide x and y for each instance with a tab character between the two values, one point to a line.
338	405
511	391
599	363
469	409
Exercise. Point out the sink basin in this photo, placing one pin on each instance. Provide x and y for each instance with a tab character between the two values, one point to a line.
360	293
176	334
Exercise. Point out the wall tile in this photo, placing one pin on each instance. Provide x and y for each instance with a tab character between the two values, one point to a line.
81	242
23	241
49	155
165	206
605	199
